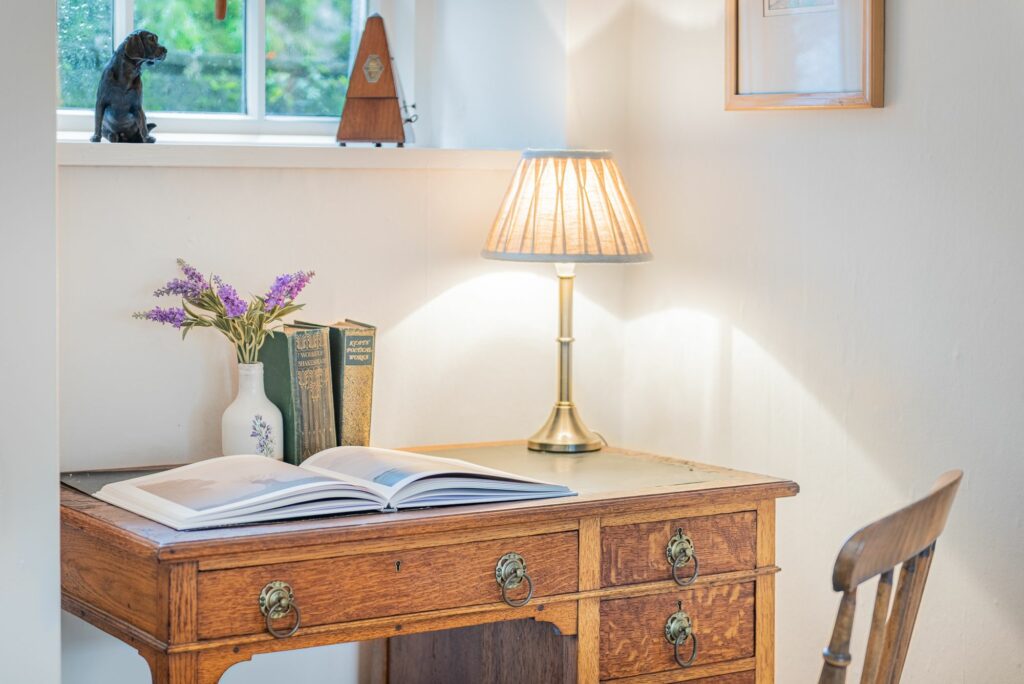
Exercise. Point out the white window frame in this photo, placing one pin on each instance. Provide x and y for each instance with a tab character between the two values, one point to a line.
255	121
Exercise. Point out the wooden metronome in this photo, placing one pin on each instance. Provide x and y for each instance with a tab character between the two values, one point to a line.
374	103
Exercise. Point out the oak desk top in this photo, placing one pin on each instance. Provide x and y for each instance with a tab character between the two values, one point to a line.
606	481
621	494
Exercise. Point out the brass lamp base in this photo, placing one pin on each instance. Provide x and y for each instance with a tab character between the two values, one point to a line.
564	432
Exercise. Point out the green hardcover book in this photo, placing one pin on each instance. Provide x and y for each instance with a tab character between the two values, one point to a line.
353	347
297	376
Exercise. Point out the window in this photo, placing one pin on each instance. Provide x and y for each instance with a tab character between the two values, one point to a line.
272	66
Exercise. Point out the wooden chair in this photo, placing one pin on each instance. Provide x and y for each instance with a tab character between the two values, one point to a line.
906	537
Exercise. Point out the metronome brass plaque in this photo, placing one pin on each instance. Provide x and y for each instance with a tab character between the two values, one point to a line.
373	68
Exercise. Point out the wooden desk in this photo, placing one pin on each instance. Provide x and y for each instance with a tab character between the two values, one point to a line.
425	580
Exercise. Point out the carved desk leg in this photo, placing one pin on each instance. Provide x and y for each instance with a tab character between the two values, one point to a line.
765	596
588	641
178	668
212	664
589	613
192	668
180	581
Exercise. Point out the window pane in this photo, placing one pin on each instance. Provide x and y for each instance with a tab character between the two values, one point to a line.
308	45
84	37
203	69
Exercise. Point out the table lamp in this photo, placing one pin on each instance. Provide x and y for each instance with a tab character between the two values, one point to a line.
567	206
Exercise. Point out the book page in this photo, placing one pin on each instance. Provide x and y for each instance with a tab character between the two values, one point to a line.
404	477
217	484
383	470
228	486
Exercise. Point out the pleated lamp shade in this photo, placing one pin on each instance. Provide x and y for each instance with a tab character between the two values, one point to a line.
567	206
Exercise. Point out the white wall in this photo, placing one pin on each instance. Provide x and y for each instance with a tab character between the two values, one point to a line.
598	57
30	629
483	74
837	297
490	73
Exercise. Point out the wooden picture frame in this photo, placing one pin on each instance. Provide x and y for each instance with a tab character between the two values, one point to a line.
872	71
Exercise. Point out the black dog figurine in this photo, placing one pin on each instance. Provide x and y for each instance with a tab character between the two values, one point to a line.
119	114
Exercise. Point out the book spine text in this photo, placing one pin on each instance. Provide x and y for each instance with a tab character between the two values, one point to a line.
356	371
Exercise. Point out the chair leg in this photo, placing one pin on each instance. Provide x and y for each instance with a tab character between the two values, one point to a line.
837	655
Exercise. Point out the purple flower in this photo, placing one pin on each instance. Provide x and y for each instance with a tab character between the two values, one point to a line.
192	273
174	316
185	288
233	304
190	287
286	288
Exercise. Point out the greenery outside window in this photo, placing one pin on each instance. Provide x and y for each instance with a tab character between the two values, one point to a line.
271	67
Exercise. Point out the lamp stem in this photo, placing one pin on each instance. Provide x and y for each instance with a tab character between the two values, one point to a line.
564	430
565	338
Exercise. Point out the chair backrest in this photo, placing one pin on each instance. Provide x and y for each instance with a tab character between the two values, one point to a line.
906	538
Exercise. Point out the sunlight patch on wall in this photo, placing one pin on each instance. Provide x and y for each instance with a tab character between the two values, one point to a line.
702	389
591	19
491	375
689	14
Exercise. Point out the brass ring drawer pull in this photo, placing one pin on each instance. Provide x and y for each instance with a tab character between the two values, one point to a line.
679	552
679	630
510	572
276	601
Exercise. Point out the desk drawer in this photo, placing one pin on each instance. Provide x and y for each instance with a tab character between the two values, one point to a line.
633	554
633	629
358	587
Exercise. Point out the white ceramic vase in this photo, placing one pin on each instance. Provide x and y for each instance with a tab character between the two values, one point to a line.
252	424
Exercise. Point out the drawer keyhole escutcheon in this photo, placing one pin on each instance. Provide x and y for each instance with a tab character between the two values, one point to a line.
679	552
509	573
277	600
679	630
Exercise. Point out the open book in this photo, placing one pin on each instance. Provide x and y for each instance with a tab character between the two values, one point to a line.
232	490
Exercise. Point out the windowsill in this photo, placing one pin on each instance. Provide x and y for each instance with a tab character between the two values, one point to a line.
270	151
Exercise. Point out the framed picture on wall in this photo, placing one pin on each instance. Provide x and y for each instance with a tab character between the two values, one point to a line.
804	54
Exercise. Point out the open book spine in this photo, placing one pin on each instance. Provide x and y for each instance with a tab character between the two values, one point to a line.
297	376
